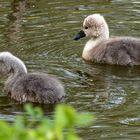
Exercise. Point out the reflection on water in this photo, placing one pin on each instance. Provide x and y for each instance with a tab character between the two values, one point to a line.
41	33
15	19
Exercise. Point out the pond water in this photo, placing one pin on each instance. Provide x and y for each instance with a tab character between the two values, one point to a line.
41	34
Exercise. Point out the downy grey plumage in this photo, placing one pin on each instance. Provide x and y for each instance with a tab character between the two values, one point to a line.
102	49
32	87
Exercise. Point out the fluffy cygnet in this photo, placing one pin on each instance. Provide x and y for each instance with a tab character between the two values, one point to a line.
102	49
32	87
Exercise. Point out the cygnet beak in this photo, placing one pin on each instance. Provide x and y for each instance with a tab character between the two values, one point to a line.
80	35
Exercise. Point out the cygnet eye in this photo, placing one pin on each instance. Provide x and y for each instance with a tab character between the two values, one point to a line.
86	27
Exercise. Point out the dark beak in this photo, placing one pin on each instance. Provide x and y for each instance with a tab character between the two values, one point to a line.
80	35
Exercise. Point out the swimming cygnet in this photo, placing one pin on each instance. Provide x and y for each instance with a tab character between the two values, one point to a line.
102	49
32	87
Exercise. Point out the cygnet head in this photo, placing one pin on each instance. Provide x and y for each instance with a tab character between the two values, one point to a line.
12	63
94	26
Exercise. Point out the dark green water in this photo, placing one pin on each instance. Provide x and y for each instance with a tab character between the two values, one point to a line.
41	33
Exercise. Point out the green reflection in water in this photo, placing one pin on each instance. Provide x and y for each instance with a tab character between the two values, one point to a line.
41	34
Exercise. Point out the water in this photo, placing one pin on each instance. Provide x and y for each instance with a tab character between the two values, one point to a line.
41	34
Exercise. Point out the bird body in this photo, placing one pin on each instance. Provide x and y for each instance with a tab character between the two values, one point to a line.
32	87
120	51
102	49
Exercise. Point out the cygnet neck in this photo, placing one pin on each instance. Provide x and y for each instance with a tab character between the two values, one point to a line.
14	65
93	42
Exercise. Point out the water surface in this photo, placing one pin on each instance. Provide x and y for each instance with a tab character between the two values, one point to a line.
41	34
